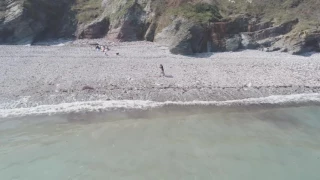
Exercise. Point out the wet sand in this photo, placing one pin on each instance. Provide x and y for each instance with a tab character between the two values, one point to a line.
76	72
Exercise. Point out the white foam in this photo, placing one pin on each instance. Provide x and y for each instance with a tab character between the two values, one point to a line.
60	44
91	106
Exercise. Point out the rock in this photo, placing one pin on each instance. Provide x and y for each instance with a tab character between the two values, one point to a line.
273	31
259	26
266	38
96	29
23	22
129	20
149	36
283	50
247	41
299	43
233	43
182	46
15	27
237	24
271	49
217	34
183	37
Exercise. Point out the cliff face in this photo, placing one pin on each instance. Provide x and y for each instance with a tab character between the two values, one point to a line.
186	26
24	21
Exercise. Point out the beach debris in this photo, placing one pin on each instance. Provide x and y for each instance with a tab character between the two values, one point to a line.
94	44
117	54
246	86
57	88
64	90
87	88
162	70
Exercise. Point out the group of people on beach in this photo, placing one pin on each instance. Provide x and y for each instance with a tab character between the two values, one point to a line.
103	49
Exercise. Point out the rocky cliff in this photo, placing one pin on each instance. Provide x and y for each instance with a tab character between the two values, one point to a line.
186	26
24	21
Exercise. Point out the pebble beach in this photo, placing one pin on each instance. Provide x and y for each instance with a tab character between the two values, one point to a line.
75	71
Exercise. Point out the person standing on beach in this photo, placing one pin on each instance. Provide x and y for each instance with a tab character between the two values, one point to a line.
162	70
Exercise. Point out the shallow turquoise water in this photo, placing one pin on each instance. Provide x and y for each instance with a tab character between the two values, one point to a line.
219	144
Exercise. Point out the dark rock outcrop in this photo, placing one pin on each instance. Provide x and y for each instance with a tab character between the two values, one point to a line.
258	26
150	33
233	43
183	37
24	21
247	42
237	24
96	29
265	36
273	31
16	26
130	20
299	43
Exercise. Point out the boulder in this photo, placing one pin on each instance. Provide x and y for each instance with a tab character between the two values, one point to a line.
237	24
275	31
247	42
96	29
259	26
266	38
15	26
183	37
182	46
233	43
150	33
299	43
24	21
129	20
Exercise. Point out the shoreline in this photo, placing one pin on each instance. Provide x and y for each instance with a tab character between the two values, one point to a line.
133	106
75	72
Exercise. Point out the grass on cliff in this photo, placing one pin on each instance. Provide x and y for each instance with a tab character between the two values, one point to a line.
200	12
197	11
123	10
277	11
87	10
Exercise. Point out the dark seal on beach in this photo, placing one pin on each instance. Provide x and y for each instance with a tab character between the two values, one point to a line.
87	88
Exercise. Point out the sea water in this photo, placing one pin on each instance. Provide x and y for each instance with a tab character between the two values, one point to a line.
222	144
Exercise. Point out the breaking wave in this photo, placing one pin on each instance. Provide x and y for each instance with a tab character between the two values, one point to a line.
92	106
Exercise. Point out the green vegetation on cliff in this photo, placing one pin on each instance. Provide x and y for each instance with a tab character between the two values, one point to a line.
123	10
200	12
87	10
277	11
